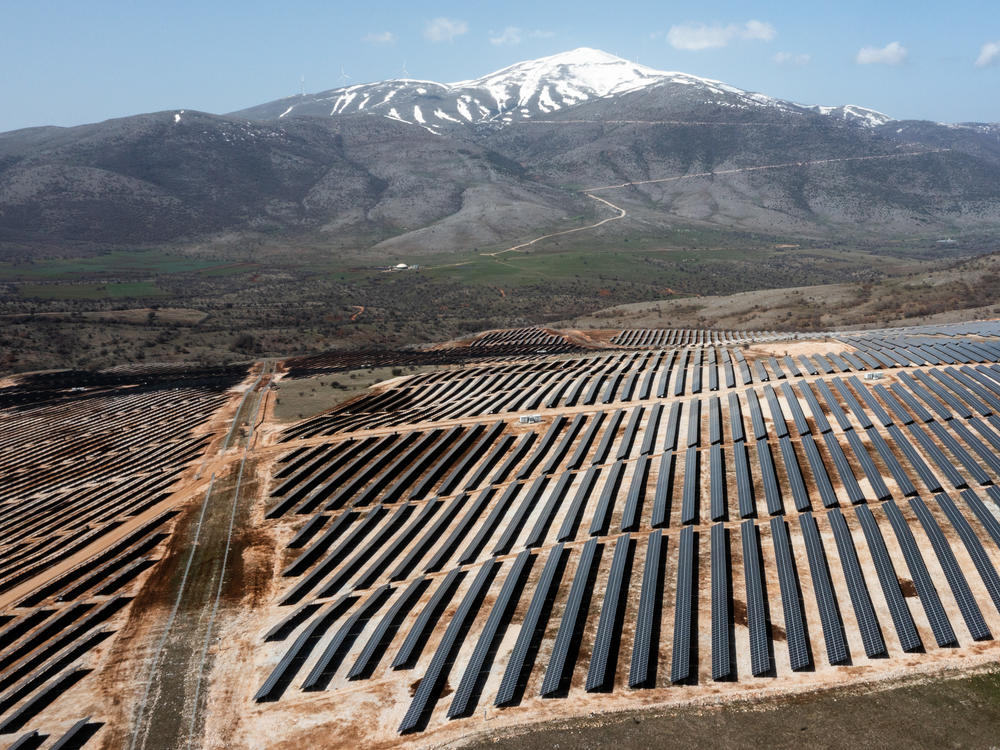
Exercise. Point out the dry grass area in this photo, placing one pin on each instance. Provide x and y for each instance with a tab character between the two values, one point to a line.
304	397
970	291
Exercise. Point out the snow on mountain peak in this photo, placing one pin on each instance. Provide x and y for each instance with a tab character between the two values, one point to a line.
537	88
579	74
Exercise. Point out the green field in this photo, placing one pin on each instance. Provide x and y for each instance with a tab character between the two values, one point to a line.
119	290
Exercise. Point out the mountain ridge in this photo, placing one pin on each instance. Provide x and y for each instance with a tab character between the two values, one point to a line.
526	90
687	151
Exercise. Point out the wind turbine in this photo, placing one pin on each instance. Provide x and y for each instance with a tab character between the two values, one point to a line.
302	85
344	78
404	72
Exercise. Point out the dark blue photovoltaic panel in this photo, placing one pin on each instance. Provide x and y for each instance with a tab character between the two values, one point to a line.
772	495
680	664
437	671
953	573
791	604
598	677
906	631
736	418
974	547
722	667
692	486
760	656
646	628
744	484
826	599
558	667
871	634
496	623
940	626
531	628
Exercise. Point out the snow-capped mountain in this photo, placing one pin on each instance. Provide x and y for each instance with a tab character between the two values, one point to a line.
854	114
535	89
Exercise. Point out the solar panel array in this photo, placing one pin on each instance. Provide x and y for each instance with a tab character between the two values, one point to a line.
640	459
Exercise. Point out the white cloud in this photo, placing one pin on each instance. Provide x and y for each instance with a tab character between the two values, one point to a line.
379	37
792	59
699	36
445	29
891	54
988	54
512	36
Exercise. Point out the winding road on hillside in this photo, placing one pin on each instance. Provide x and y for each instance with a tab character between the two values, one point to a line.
622	213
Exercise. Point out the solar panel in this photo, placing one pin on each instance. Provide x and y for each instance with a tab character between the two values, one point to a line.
462	703
871	634
572	518
462	528
906	631
409	652
760	656
610	433
537	534
953	446
379	640
798	416
772	495
974	547
664	491
673	418
717	483
652	426
843	467
714	420
282	675
791	604
606	503
815	409
692	476
528	504
895	468
625	448
833	405
636	494
694	422
777	416
799	493
437	671
722	667
520	450
344	638
914	458
986	518
956	580
598	676
826	598
756	416
576	461
489	526
907	398
736	418
558	669
852	402
642	669
940	626
744	487
532	628
563	448
395	548
818	468
680	664
681	373
871	471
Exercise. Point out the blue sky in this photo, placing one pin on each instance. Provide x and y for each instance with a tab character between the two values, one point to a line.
66	63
